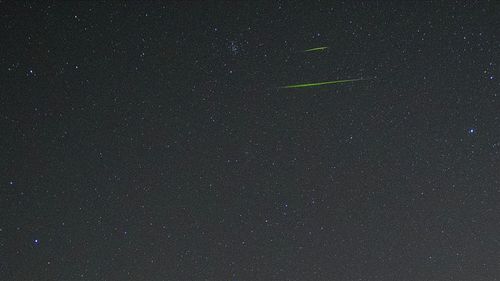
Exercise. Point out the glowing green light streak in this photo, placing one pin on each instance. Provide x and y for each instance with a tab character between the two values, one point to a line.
316	49
319	83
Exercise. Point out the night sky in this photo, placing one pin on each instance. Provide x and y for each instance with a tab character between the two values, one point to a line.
152	141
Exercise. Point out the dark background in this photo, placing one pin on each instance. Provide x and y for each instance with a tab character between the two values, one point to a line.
150	141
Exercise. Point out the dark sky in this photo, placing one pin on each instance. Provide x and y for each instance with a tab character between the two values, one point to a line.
151	141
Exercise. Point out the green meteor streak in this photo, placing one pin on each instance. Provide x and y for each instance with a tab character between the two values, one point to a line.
319	83
316	49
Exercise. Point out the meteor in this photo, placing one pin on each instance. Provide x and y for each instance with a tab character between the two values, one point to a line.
318	49
294	86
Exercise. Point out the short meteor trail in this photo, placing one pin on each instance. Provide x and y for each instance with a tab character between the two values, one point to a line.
318	49
320	83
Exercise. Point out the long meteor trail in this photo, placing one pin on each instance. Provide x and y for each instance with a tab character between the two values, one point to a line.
316	49
294	86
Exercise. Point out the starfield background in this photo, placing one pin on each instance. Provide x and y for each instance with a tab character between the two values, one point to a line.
151	140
